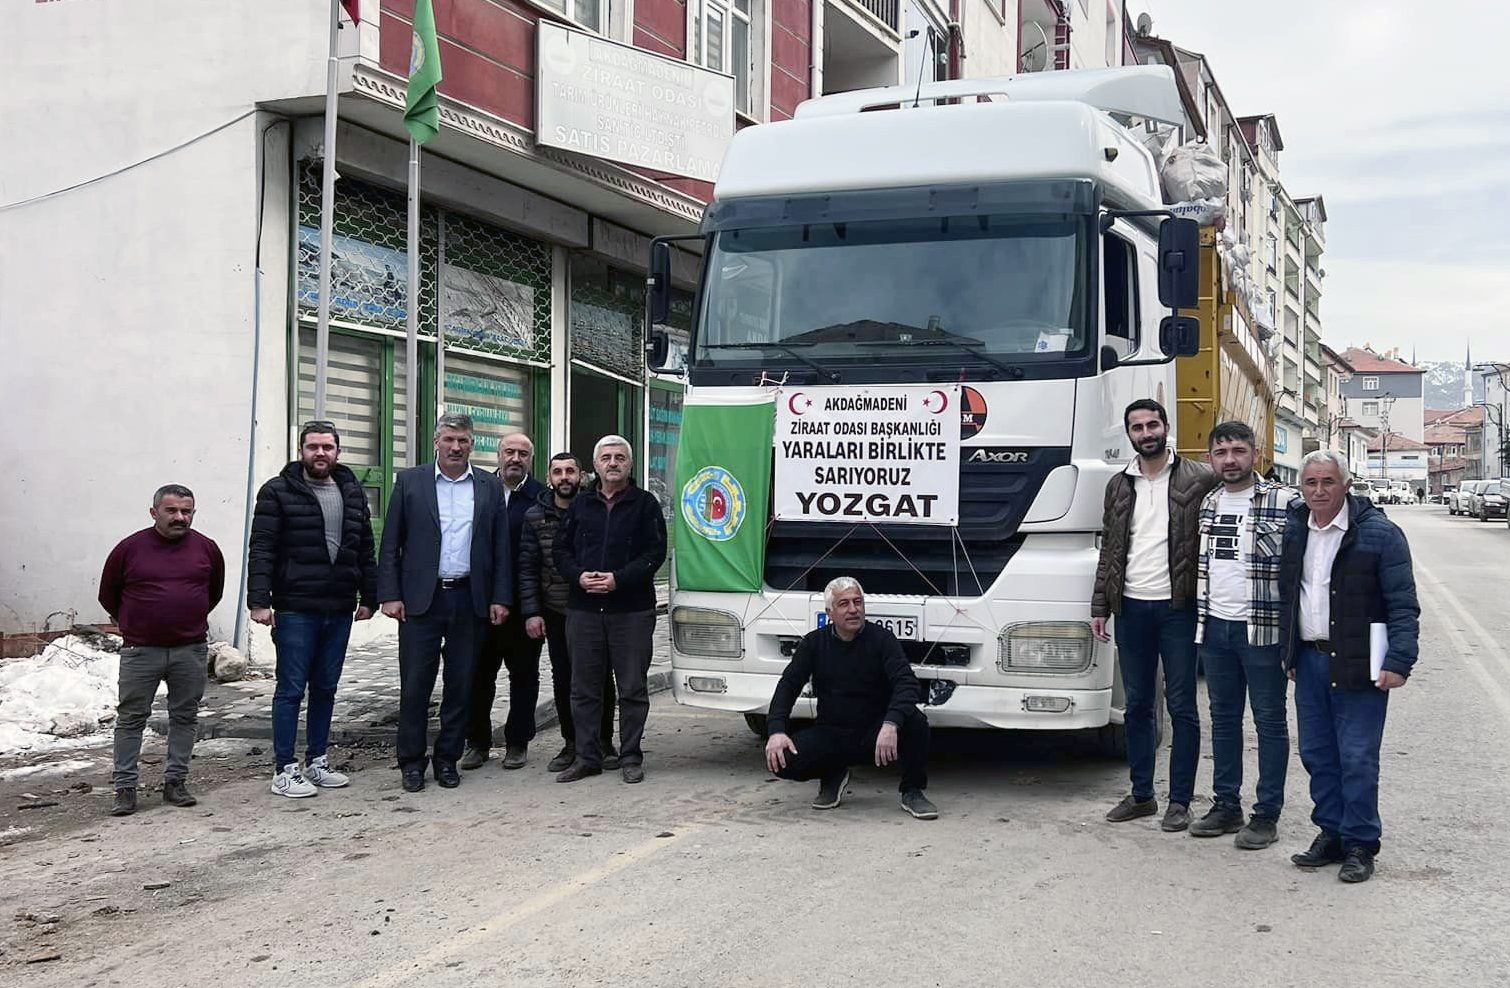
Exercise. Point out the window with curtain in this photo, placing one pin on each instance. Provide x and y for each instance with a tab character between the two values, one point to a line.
721	42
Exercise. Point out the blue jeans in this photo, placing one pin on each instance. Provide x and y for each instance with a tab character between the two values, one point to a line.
1148	630
311	650
1235	672
1340	734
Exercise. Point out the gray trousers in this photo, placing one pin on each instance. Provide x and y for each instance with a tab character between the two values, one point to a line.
143	668
598	641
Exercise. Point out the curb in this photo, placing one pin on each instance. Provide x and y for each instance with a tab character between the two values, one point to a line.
658	681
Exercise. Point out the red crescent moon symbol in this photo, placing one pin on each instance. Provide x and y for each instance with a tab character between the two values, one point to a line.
791	403
943	402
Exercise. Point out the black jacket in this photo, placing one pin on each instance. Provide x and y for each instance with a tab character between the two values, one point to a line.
857	683
288	565
628	541
409	557
541	585
520	502
1372	583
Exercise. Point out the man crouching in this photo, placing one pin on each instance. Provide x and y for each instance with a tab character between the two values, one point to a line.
867	706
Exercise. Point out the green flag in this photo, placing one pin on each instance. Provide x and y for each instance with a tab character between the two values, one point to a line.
422	108
723	492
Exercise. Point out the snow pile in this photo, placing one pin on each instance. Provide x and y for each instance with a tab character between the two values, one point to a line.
59	698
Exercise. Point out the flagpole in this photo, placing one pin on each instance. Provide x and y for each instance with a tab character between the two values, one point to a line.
411	342
327	209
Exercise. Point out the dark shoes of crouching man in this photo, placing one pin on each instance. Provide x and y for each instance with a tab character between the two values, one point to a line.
1357	862
831	793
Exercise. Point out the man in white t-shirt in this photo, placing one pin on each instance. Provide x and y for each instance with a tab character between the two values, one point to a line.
1241	535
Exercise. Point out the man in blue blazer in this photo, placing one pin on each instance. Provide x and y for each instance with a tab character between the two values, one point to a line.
444	573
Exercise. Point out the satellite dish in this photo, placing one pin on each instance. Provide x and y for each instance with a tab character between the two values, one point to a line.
1037	50
1144	26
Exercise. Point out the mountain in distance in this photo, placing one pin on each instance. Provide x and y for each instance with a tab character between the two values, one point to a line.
1442	384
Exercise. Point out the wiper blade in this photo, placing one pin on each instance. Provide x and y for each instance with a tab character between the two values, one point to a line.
964	343
790	349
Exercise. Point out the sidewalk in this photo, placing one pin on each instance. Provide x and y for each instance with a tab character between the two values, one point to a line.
367	702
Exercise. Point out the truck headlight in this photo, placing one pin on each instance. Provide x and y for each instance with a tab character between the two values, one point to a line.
1055	647
704	631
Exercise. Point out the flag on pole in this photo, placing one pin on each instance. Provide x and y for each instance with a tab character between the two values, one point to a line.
422	108
354	8
723	493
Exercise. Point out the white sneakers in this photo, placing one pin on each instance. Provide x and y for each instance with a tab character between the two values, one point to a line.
291	783
319	772
317	775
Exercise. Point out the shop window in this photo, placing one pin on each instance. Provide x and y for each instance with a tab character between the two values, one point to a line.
607	317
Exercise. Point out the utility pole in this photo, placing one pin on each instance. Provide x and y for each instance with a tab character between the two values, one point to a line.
1387	404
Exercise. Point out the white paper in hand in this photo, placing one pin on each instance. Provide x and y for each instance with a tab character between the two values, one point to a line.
1378	648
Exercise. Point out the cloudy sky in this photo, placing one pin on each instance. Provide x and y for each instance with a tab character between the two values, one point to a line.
1398	113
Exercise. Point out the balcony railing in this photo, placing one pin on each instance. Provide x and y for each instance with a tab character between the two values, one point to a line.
885	11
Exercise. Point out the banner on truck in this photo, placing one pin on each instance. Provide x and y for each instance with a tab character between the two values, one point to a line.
723	485
868	454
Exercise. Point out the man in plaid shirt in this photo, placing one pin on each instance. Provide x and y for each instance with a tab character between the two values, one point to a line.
1242	531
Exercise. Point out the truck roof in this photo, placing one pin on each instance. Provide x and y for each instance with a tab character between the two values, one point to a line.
1049	125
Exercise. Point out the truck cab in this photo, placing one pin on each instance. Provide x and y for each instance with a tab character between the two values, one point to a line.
1003	237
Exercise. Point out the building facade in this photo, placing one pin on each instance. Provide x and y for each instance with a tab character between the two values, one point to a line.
160	236
1385	393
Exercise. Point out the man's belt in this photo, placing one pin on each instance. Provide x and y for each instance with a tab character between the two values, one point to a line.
1320	645
452	582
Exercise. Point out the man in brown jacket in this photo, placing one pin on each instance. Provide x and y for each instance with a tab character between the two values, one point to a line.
1147	577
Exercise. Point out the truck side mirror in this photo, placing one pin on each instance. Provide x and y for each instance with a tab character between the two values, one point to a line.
658	285
1180	336
1179	263
657	349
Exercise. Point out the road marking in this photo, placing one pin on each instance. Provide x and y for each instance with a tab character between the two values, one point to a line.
458	944
1486	642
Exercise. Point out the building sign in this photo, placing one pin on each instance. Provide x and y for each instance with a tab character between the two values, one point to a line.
883	454
608	100
1281	439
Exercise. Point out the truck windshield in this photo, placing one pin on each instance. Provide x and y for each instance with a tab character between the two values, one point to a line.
991	288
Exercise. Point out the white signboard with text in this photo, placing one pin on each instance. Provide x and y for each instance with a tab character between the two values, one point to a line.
868	454
608	100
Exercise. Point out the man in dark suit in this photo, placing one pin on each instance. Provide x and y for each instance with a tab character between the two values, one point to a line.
444	573
507	645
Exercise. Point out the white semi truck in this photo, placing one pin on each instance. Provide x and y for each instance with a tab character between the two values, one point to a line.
1005	241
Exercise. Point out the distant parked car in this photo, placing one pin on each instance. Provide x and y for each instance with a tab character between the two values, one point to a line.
1403	492
1443	496
1383	493
1462	498
1361	488
1489	501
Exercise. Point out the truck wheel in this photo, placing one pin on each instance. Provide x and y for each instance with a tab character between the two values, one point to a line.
756	723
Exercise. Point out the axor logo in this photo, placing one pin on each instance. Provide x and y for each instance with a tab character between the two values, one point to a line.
995	454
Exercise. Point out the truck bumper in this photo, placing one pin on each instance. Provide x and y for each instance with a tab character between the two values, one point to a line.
999	707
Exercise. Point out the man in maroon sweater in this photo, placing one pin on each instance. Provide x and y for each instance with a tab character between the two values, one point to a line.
159	587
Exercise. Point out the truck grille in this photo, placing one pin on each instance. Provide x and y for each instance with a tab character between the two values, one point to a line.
994	499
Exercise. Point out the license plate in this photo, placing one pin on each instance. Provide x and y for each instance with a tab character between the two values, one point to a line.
903	626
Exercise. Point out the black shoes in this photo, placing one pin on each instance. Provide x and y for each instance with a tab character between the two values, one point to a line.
414	779
563	761
831	792
1357	866
914	802
515	755
446	775
1176	818
610	757
1260	832
177	794
577	771
1218	820
633	772
1131	808
1324	850
125	803
474	758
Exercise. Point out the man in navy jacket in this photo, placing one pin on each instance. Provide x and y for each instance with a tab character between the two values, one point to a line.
1345	568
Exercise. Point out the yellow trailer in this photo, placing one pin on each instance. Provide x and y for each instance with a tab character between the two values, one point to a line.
1230	378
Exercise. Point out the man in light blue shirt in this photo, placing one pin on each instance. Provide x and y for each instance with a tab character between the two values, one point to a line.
443	571
453	496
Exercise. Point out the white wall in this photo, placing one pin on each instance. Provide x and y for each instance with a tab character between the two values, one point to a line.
1411	465
990	38
126	306
1407	416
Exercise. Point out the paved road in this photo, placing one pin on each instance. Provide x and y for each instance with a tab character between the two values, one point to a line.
711	873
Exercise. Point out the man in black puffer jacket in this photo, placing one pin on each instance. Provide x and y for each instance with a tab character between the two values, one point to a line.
1344	576
310	565
543	594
